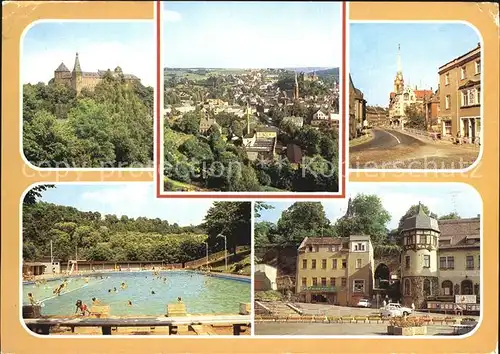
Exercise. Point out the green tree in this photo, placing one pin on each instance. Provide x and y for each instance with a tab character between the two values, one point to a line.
450	216
415	116
259	206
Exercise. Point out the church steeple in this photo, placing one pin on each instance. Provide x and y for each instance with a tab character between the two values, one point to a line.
77	67
399	81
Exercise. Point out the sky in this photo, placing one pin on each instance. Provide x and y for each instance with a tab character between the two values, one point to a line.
397	198
424	48
133	199
251	34
101	45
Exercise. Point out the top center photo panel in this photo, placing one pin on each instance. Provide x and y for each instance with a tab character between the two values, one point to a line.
253	100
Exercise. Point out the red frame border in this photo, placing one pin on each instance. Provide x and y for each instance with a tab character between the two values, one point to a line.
264	196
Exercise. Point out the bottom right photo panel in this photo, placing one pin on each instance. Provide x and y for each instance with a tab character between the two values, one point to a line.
390	259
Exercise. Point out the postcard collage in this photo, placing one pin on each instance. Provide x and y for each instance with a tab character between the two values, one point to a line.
282	172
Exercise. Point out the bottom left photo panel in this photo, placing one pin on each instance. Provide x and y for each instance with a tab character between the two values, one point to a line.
111	259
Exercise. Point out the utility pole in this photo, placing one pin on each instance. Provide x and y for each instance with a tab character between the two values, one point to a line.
225	249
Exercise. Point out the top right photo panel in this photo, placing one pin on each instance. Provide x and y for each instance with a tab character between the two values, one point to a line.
414	96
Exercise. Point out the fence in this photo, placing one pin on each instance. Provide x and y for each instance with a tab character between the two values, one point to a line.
213	257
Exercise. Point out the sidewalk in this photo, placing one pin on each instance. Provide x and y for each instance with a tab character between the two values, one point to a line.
427	139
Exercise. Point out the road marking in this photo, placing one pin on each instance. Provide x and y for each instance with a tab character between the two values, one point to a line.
394	136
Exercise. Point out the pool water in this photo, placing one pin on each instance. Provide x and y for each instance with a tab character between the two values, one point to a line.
200	293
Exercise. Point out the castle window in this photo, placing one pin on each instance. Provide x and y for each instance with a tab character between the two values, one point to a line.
323	264
407	287
313	264
304	264
334	264
323	281
315	281
450	263
427	261
427	287
304	282
407	261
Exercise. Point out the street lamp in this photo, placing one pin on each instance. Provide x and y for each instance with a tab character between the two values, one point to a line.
225	248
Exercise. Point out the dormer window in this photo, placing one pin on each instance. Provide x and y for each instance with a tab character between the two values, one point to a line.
310	249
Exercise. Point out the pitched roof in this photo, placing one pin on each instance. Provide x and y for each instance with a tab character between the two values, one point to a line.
460	231
419	94
420	221
328	240
62	68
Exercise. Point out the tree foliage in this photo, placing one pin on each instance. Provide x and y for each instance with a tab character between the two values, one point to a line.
111	126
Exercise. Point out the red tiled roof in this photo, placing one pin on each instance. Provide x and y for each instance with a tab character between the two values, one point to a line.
323	241
419	94
457	231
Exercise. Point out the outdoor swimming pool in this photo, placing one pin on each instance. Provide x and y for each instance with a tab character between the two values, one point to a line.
201	294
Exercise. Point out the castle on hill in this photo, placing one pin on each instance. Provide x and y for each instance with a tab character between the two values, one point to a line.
79	79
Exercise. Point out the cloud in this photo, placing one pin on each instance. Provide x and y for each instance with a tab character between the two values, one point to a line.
172	16
135	57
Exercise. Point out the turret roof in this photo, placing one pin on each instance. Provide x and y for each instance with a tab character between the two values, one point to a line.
420	221
62	68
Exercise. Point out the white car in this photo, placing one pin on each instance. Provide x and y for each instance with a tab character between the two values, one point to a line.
364	303
395	310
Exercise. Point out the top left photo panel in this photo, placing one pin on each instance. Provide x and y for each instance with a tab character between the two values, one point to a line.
88	94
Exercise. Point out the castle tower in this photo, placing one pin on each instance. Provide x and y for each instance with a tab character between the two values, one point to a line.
419	273
399	81
76	76
296	88
61	74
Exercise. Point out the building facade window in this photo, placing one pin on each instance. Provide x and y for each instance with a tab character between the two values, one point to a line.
358	286
427	288
447	102
407	287
334	264
323	264
304	264
427	261
442	262
313	265
450	263
316	248
332	282
447	287
478	66
344	263
466	287
463	72
447	79
472	97
323	281
469	262
478	94
465	98
315	281
343	282
304	282
358	263
407	261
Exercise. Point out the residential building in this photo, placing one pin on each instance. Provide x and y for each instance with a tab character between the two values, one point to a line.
79	79
206	123
297	121
460	96
376	116
431	109
440	259
335	270
357	110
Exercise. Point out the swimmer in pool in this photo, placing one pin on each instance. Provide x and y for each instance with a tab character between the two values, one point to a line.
179	299
114	289
95	301
82	307
32	299
152	292
129	303
124	286
109	290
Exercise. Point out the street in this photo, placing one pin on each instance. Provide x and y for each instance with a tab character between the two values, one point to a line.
392	149
365	329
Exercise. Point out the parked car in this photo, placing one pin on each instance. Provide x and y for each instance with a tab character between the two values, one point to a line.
395	310
364	303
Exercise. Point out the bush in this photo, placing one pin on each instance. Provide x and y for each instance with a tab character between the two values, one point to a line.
407	322
269	295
